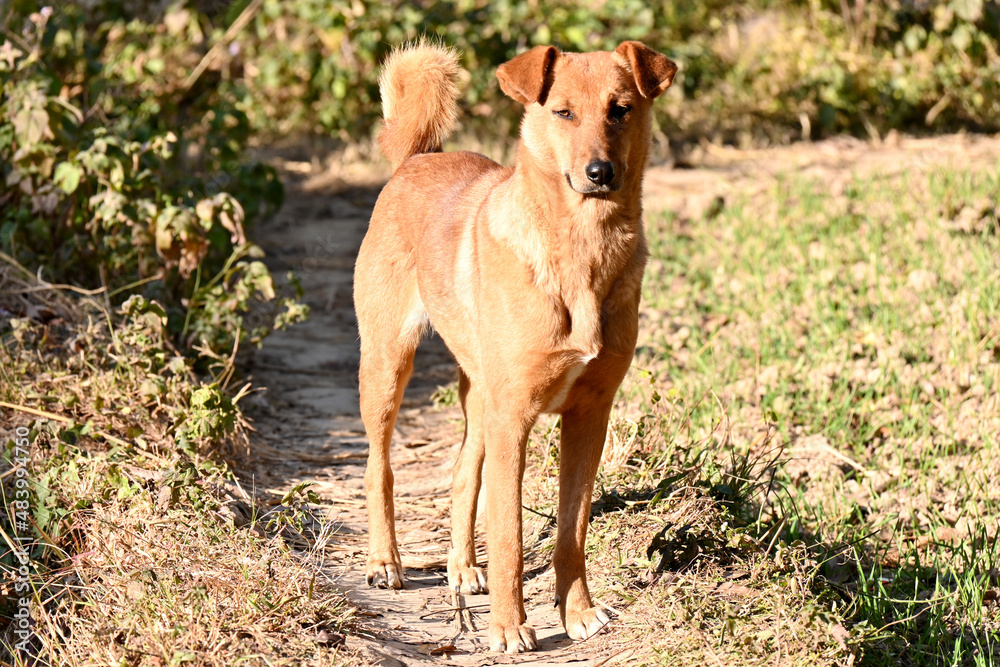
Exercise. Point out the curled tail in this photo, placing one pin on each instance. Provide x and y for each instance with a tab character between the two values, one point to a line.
419	100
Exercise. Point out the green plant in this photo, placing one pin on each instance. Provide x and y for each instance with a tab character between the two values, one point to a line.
102	189
751	71
872	348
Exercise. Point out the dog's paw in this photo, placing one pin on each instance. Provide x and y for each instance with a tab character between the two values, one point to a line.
586	623
512	638
384	573
468	580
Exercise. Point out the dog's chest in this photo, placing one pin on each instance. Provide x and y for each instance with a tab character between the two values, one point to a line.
583	335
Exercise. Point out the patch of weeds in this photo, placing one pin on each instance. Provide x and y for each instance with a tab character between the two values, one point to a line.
446	395
143	547
859	315
931	603
103	193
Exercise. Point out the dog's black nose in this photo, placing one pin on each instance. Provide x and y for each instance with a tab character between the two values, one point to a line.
600	172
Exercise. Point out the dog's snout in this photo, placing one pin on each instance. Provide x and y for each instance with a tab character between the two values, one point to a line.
601	172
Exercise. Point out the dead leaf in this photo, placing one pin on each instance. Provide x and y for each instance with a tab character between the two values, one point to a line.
327	638
437	649
841	635
729	588
416	443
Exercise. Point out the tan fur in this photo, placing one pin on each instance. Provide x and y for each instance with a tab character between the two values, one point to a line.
532	277
419	93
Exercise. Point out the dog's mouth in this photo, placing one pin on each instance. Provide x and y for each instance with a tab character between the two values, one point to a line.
593	189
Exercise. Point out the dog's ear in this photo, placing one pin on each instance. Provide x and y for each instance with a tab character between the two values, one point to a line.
527	77
653	71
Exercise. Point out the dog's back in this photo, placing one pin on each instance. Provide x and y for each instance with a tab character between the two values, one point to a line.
433	198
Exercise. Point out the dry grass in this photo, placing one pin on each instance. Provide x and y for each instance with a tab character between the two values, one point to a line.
146	552
151	587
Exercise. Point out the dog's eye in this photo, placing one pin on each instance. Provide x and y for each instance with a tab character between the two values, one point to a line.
564	113
618	111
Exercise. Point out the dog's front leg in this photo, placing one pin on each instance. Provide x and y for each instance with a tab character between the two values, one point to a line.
506	434
583	432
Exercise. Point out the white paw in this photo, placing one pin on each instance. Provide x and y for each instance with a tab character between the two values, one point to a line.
384	573
467	580
512	638
586	623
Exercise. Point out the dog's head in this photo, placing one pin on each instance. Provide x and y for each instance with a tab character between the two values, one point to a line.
587	115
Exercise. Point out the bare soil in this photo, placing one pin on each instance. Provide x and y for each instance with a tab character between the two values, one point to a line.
309	429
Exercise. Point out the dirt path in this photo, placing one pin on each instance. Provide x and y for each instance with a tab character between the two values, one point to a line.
308	417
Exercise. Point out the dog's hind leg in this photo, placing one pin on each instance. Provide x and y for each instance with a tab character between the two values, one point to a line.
463	575
391	319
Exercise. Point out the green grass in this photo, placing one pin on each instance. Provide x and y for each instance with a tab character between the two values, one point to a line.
862	318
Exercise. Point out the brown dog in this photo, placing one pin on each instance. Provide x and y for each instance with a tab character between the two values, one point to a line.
531	275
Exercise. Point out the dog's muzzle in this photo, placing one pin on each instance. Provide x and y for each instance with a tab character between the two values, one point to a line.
592	188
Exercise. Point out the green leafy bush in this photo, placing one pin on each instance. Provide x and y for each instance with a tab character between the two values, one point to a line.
118	173
748	70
